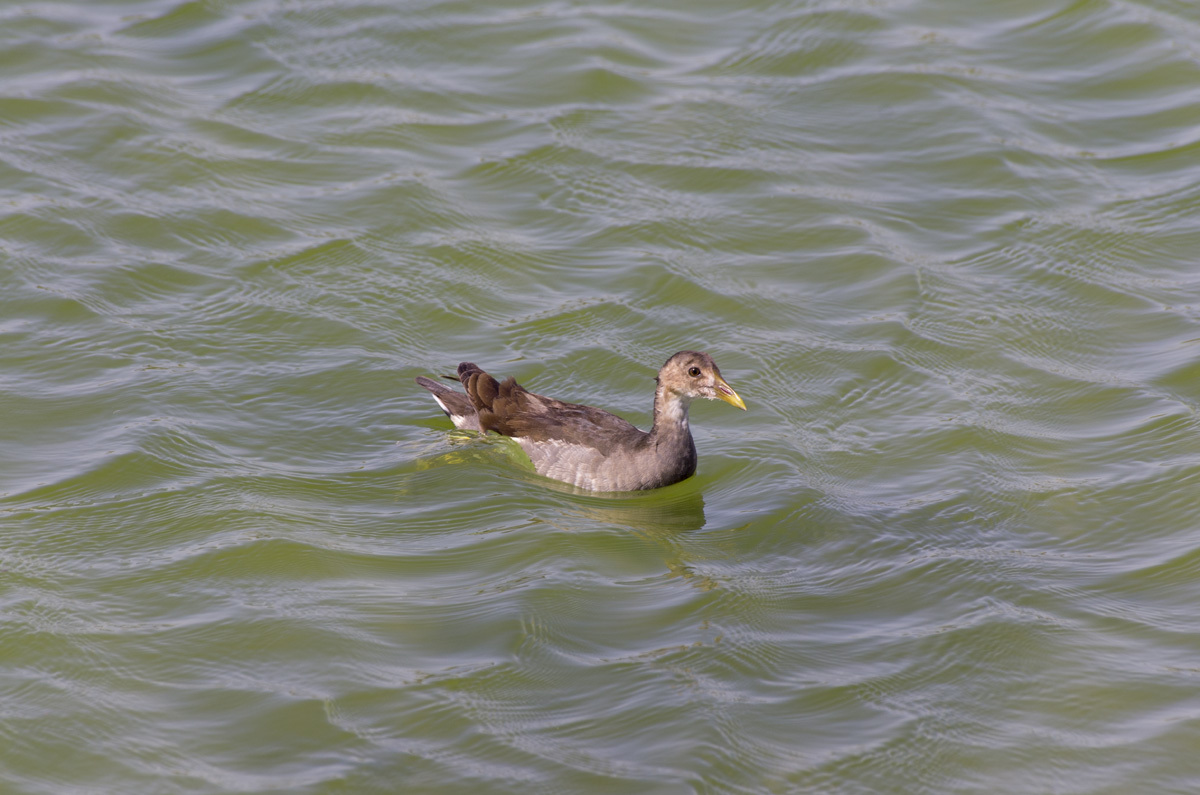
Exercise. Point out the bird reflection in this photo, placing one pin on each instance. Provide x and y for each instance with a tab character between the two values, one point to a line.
653	514
664	517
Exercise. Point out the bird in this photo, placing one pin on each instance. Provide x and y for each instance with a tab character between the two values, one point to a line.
586	446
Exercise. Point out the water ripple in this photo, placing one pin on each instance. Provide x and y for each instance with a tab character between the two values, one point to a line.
948	260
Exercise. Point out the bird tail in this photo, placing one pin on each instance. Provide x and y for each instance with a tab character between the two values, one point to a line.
433	386
458	407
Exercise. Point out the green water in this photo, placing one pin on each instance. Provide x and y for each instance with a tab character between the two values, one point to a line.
948	253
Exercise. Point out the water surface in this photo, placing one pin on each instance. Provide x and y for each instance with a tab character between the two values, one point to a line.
946	252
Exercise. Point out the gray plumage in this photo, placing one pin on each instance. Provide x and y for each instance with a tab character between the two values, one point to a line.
585	446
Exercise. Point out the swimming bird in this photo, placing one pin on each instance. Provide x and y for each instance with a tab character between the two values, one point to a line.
585	446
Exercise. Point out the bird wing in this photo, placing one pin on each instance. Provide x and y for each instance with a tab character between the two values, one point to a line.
510	409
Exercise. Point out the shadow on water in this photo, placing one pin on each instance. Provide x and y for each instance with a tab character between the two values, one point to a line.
662	517
659	513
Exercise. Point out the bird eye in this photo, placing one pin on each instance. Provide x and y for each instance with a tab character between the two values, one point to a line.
693	371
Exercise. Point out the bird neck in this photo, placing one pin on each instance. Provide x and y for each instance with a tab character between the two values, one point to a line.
670	413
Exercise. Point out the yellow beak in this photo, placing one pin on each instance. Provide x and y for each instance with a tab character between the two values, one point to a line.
725	392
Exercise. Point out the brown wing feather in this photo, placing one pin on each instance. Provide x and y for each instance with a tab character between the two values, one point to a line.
511	410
